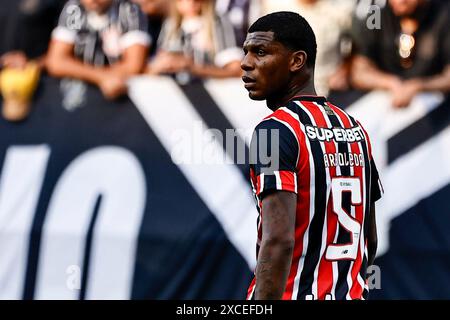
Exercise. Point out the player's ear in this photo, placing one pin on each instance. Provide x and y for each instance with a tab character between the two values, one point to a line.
298	60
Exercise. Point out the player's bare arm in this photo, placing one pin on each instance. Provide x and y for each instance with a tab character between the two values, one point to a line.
277	245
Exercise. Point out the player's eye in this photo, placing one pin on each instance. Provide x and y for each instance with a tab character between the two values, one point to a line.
260	52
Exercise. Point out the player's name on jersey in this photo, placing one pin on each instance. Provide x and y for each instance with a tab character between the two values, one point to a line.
343	159
354	134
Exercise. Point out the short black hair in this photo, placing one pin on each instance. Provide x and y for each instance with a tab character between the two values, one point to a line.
291	30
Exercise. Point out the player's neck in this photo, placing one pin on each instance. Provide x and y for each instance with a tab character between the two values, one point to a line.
296	89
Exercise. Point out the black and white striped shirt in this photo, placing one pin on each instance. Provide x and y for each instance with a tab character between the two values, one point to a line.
192	40
101	39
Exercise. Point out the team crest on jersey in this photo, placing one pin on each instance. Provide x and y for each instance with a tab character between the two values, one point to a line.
354	134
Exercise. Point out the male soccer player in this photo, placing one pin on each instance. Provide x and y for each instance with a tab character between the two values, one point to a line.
312	173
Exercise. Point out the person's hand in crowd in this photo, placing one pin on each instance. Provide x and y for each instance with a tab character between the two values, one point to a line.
403	94
169	63
339	80
14	59
112	85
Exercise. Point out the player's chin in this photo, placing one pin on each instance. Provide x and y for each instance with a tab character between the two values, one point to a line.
256	95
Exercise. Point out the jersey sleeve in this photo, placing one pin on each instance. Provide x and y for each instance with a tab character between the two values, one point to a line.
274	153
135	26
227	48
69	22
376	188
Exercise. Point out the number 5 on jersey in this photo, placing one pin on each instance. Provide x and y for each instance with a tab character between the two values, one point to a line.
338	186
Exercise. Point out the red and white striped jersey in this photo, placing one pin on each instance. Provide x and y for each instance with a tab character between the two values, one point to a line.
318	151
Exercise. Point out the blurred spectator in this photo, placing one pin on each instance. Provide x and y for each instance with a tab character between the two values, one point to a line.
99	41
362	7
196	42
17	86
26	28
408	54
156	11
269	6
241	14
330	20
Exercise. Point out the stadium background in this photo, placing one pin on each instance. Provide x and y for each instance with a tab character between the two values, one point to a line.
93	205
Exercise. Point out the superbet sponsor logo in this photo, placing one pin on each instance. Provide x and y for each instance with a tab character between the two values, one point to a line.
337	134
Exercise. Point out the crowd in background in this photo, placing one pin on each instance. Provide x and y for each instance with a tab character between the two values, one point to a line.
404	47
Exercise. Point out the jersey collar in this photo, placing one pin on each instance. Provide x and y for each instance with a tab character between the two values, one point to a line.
319	99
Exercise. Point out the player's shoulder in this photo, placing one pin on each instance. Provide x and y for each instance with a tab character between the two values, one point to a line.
273	128
280	118
270	123
337	108
344	115
285	114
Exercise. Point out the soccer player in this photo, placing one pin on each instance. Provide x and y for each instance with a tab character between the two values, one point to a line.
312	173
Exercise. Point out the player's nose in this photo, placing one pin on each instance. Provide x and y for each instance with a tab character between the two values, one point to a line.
246	63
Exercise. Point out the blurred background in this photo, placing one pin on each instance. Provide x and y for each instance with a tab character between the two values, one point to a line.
117	179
